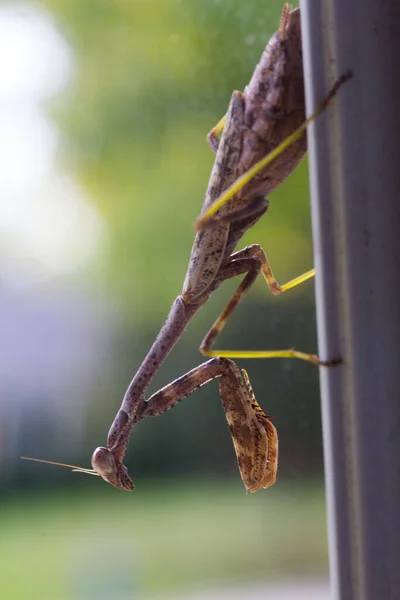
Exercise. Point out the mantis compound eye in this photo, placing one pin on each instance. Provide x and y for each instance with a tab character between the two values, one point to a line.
111	469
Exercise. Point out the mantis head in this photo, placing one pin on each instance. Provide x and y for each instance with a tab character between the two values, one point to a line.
111	469
104	464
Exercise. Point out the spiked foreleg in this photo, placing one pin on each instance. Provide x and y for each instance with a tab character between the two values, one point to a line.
254	437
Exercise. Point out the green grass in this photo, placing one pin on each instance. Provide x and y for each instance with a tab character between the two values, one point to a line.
107	544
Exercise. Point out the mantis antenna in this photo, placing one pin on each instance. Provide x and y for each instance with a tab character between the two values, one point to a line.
74	468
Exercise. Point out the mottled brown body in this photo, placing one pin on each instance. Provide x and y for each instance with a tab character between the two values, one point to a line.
274	107
212	262
271	108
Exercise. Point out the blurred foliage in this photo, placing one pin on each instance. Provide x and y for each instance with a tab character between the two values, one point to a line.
173	537
150	79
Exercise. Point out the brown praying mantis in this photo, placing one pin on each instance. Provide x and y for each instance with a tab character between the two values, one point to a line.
263	139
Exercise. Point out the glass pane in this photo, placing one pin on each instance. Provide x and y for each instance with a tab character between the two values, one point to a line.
105	109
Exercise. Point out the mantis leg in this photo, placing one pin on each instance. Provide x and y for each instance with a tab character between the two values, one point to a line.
256	251
254	437
213	135
252	211
251	261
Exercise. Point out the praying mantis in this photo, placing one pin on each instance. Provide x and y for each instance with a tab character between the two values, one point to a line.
263	139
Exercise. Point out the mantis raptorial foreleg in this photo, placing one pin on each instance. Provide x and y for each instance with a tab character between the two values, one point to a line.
254	436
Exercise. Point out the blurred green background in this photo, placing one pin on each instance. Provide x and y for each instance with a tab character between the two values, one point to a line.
84	296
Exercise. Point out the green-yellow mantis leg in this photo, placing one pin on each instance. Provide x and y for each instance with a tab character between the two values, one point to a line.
252	261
